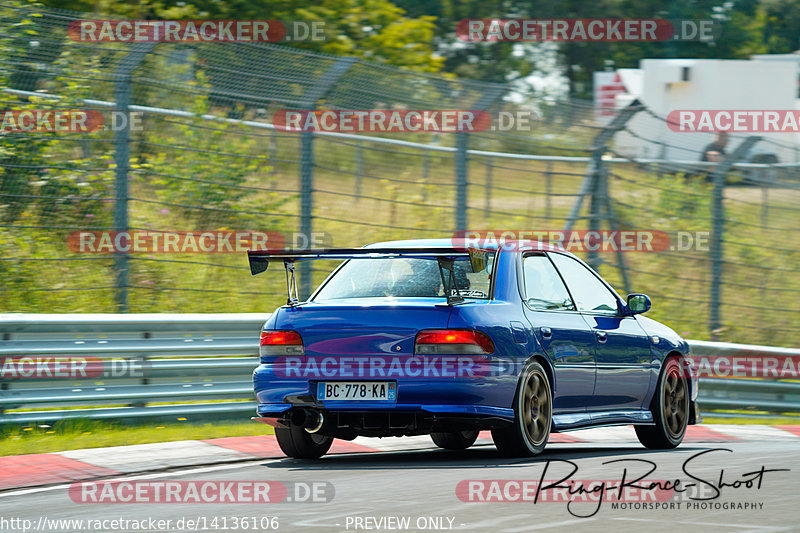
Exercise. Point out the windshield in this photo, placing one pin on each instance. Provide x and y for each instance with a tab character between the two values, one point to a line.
404	278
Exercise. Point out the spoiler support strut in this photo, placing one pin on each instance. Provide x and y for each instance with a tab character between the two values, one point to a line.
291	284
449	282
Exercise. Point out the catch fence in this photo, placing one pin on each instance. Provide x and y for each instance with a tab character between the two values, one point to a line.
203	154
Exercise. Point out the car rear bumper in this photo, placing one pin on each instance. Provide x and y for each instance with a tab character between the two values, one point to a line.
268	410
476	396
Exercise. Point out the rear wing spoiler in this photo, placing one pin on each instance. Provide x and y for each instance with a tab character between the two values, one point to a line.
260	260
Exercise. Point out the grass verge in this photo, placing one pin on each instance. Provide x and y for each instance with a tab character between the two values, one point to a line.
769	421
77	434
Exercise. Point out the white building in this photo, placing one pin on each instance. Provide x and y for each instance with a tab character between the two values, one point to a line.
665	85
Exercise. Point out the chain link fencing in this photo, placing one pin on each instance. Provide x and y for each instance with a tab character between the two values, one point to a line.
200	152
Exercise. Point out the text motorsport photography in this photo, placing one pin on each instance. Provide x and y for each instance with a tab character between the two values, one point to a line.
633	488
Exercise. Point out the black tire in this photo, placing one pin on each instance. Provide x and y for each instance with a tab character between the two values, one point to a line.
670	408
298	443
533	415
455	440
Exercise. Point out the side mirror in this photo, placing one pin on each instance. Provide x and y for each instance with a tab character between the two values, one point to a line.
638	303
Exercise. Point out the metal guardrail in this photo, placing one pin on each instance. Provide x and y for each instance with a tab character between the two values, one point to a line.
138	366
765	395
182	365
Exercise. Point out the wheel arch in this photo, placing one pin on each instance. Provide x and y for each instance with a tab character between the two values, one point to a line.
694	412
548	368
694	417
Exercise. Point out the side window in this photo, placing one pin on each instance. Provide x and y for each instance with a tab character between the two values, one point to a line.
543	287
589	292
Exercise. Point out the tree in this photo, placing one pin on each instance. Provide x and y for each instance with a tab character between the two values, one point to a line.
781	30
377	30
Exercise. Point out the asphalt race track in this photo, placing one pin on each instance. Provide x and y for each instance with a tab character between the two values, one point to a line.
416	490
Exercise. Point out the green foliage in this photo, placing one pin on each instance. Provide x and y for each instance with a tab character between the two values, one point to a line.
781	26
198	167
377	30
685	197
420	35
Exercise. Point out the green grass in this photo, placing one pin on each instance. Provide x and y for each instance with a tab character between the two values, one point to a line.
78	434
769	421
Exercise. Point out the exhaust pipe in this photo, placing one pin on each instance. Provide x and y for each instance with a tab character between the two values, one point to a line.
297	417
314	422
307	419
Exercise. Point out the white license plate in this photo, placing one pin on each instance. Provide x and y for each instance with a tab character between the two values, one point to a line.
357	390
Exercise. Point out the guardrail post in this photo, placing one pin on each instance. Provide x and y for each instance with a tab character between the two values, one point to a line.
718	177
122	94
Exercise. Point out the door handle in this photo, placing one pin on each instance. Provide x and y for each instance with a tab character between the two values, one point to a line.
602	336
546	333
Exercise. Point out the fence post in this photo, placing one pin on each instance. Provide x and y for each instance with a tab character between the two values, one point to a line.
122	95
461	181
594	203
594	182
548	190
611	217
309	103
487	193
426	166
718	177
306	204
599	145
492	94
359	169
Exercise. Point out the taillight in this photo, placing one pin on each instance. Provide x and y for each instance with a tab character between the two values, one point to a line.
281	342
452	342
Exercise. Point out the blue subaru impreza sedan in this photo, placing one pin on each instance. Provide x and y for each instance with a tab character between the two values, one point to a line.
443	338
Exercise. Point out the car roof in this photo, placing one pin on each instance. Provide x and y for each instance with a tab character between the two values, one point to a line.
492	244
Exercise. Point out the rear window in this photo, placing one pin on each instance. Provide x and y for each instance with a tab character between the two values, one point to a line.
403	278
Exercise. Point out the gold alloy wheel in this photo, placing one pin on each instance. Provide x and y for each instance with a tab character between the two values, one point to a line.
674	402
536	410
